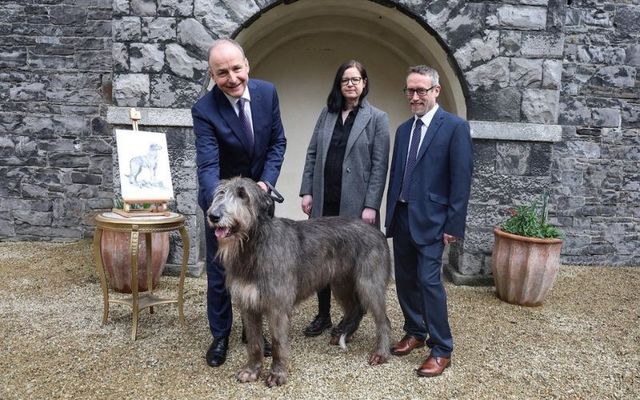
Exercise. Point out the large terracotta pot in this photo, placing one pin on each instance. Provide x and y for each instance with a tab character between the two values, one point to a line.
116	258
524	269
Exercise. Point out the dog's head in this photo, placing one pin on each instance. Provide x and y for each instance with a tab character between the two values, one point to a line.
238	206
154	147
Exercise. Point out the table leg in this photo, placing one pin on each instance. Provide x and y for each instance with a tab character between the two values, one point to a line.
97	238
133	249
147	237
183	272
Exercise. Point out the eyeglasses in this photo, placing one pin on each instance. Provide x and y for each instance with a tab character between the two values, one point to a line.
421	92
354	81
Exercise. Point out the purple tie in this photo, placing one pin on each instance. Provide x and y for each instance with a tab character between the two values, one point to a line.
411	160
244	121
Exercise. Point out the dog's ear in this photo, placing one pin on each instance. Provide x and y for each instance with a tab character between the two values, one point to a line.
266	206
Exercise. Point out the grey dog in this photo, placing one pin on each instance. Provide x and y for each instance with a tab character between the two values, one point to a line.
273	263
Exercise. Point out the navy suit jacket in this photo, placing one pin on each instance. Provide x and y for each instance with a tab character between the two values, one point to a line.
222	150
441	179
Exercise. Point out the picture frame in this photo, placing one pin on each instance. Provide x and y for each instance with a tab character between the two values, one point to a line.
143	161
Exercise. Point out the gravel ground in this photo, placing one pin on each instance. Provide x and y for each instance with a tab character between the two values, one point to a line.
583	343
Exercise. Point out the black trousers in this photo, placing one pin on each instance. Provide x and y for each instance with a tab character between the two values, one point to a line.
324	295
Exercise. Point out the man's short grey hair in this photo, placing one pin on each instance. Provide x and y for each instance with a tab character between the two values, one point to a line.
426	71
230	41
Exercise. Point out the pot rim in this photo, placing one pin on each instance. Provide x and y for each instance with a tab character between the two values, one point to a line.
500	232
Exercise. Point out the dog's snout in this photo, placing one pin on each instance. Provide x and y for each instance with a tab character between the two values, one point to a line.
214	216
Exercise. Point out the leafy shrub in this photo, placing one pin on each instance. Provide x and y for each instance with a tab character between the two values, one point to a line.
531	221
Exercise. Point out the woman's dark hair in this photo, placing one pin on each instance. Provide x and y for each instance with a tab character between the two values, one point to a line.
335	101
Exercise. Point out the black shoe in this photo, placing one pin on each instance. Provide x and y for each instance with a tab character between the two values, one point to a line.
319	324
266	349
217	353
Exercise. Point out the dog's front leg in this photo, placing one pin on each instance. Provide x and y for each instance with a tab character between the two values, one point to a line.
253	329
279	325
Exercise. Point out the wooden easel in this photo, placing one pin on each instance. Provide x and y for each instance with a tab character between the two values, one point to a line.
141	207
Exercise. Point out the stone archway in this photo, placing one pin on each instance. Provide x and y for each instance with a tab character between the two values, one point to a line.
299	47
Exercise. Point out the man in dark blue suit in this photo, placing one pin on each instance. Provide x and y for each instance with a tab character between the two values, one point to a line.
429	186
238	133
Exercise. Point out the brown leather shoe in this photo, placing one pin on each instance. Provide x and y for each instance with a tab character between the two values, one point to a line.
434	366
406	345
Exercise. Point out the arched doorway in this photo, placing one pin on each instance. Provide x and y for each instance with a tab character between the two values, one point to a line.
299	47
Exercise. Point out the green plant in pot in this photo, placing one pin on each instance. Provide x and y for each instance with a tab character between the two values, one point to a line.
116	258
526	255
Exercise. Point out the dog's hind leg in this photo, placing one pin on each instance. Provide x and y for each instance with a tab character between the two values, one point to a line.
279	326
372	289
253	328
348	299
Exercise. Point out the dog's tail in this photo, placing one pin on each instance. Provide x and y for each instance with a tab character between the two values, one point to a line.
343	341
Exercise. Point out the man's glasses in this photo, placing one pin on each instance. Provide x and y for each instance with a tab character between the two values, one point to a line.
421	92
354	81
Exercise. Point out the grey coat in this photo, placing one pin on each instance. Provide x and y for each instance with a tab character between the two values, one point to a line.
364	169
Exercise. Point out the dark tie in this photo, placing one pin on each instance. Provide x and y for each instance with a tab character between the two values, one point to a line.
411	160
244	121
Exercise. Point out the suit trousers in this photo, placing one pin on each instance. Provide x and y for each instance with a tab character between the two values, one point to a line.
219	312
419	286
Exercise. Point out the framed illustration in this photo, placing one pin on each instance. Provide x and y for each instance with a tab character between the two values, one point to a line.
143	161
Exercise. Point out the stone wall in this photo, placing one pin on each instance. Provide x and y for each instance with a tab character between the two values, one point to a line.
527	68
596	173
55	145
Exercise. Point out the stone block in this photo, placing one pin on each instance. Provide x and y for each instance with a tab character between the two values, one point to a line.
120	57
34	218
195	36
478	50
146	57
600	55
520	17
7	229
67	15
11	57
214	15
172	91
131	89
144	8
551	74
607	117
573	111
158	29
542	44
178	8
492	75
121	7
633	55
127	29
540	106
618	76
495	105
525	72
627	20
510	43
181	63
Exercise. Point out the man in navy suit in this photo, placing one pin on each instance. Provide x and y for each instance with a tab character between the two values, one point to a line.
238	133
429	185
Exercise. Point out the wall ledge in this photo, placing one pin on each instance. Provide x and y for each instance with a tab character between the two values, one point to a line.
151	116
486	130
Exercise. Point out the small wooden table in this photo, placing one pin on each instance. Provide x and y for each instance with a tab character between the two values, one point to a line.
135	226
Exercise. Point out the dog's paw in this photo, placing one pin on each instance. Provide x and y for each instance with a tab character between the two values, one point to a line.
276	379
248	374
377	359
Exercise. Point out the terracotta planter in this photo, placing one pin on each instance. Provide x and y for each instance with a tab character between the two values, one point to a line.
524	269
114	247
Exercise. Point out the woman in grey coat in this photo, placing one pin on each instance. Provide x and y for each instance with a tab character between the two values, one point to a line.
346	165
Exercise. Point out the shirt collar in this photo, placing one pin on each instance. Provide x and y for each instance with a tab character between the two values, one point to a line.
426	119
234	100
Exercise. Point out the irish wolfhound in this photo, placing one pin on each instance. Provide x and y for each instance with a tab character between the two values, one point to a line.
274	263
147	161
